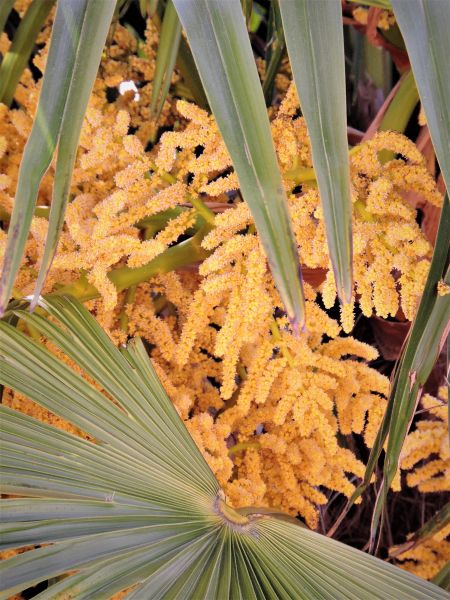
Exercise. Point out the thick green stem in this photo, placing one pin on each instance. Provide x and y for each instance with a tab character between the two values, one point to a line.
398	114
242	446
201	208
196	202
181	255
232	517
301	175
401	108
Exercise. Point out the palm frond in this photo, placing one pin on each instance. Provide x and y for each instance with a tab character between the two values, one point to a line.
315	43
17	57
169	44
78	37
220	44
136	506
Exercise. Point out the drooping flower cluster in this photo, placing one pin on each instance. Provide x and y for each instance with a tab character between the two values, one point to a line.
429	556
109	173
426	452
391	254
282	400
425	459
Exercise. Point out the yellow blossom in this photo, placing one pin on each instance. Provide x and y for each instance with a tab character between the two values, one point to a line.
429	442
443	288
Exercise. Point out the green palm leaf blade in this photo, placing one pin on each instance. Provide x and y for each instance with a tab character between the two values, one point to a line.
16	59
128	509
424	25
314	39
5	8
442	579
78	37
220	44
95	26
169	43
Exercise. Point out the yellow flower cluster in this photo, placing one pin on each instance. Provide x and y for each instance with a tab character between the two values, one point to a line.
201	131
386	18
391	254
426	452
425	459
429	556
240	379
111	173
265	407
272	413
101	220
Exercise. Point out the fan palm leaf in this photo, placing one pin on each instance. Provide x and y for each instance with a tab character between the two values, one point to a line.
132	504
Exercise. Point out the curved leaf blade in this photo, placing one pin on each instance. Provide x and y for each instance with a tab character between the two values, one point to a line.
169	43
125	516
44	135
220	44
425	25
16	59
96	20
315	43
78	36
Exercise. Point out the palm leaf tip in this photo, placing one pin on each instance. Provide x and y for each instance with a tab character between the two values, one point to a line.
69	75
165	61
311	28
221	48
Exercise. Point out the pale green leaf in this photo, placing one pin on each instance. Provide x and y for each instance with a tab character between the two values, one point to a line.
314	39
78	36
96	21
129	510
169	43
424	25
220	44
